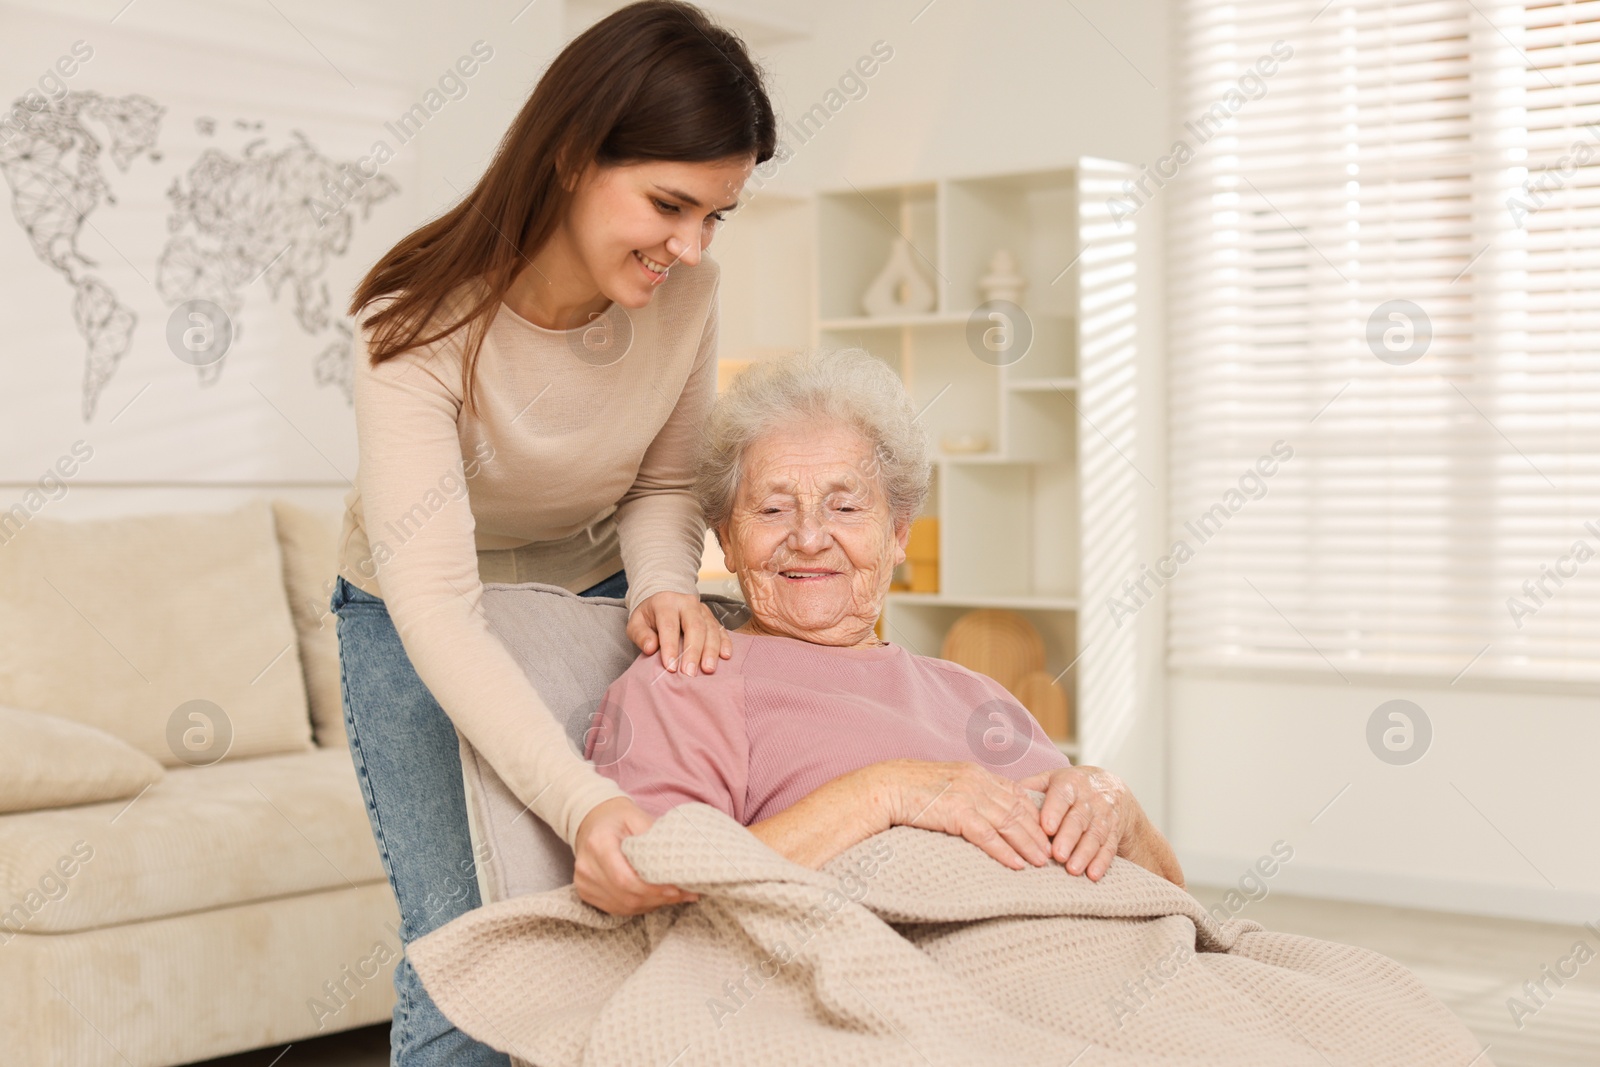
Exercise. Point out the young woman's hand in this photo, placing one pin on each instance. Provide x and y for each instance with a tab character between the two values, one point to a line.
680	623
602	874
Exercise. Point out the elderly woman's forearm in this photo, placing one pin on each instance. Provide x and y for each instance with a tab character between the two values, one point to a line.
1150	849
826	821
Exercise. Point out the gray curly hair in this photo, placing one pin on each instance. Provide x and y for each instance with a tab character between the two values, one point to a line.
848	385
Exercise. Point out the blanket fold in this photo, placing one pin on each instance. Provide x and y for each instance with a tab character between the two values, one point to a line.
913	948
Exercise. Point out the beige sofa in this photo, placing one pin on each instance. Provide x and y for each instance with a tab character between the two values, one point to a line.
186	868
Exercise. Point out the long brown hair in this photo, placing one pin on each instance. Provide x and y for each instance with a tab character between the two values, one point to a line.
656	80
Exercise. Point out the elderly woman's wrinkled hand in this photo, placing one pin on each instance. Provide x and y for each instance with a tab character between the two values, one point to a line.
1087	812
967	800
1092	816
684	629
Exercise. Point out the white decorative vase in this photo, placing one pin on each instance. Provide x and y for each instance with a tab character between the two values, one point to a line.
900	288
1004	281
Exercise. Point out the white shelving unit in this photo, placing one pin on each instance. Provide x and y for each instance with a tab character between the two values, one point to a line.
1043	522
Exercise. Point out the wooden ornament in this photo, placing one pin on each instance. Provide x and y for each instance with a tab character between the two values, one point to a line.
1048	703
1001	644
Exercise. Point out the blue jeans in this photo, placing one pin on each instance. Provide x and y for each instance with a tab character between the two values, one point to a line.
409	767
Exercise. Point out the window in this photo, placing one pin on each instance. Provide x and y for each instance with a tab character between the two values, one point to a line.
1384	225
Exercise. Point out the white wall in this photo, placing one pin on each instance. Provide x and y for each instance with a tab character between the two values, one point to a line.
163	439
975	88
1498	817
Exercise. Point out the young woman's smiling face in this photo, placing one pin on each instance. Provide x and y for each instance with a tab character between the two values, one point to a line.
811	537
629	224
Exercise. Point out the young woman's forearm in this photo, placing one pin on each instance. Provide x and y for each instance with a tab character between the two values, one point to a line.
828	820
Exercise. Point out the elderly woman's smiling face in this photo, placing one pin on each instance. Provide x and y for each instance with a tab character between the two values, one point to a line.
811	536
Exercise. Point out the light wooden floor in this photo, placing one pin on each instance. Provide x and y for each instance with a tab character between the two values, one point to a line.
1472	964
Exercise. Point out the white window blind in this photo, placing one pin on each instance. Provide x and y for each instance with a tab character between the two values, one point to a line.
1440	508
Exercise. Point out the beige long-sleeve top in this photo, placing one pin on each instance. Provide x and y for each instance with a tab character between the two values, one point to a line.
577	463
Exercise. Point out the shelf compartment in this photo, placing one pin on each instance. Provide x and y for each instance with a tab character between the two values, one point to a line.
1054	352
986	530
1056	529
1039	425
956	394
1009	531
856	230
1034	215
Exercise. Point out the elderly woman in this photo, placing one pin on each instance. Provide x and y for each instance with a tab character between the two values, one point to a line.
817	734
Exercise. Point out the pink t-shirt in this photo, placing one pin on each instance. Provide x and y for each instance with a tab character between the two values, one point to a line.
783	717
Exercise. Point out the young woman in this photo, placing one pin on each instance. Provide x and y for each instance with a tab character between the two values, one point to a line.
532	371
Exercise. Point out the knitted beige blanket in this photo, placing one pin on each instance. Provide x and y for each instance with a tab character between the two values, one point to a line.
914	948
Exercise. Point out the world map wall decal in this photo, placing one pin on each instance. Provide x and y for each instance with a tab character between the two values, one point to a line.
274	213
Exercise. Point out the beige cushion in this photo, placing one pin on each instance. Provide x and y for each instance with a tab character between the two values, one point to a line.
202	837
119	623
310	541
49	762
